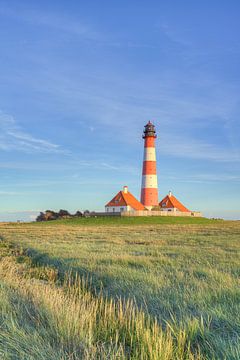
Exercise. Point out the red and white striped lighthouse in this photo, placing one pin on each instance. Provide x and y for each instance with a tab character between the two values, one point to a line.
149	192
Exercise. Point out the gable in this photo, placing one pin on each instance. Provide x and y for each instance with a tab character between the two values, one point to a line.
166	203
170	202
118	200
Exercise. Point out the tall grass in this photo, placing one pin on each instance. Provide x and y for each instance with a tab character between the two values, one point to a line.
40	320
156	291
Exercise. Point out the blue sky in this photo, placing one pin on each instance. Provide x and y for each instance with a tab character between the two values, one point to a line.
78	81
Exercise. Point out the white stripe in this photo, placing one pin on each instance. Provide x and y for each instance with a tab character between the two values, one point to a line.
149	181
149	154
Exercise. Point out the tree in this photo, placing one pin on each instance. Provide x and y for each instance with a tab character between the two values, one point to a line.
63	213
78	214
86	213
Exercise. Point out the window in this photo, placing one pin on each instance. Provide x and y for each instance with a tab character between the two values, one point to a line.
121	209
113	209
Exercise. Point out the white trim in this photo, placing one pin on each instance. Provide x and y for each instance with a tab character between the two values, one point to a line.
149	181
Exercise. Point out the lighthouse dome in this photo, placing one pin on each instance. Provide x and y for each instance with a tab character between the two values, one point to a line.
149	130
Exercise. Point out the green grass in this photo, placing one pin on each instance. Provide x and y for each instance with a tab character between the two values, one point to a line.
117	220
181	272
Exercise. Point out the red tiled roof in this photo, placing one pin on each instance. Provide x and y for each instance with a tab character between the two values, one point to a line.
172	202
126	199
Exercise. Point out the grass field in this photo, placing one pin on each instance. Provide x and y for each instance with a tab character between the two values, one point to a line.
120	288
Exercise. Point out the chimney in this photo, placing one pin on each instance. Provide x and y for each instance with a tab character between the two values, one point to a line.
125	189
170	193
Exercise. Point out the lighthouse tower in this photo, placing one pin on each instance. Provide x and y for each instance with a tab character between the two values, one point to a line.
149	192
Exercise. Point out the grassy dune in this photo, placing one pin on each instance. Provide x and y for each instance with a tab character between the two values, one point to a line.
132	221
120	288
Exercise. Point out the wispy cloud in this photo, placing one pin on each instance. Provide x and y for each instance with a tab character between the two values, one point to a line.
72	25
25	215
12	137
8	193
51	20
173	35
22	193
181	146
117	101
203	178
178	118
173	113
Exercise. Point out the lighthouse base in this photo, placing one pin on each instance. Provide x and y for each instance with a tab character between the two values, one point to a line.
149	207
149	197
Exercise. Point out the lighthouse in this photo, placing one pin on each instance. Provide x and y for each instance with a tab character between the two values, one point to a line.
149	191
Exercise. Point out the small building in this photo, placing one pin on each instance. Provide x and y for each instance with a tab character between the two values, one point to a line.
123	201
170	203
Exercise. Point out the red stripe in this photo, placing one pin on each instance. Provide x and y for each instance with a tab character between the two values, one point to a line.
149	168
149	197
149	141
